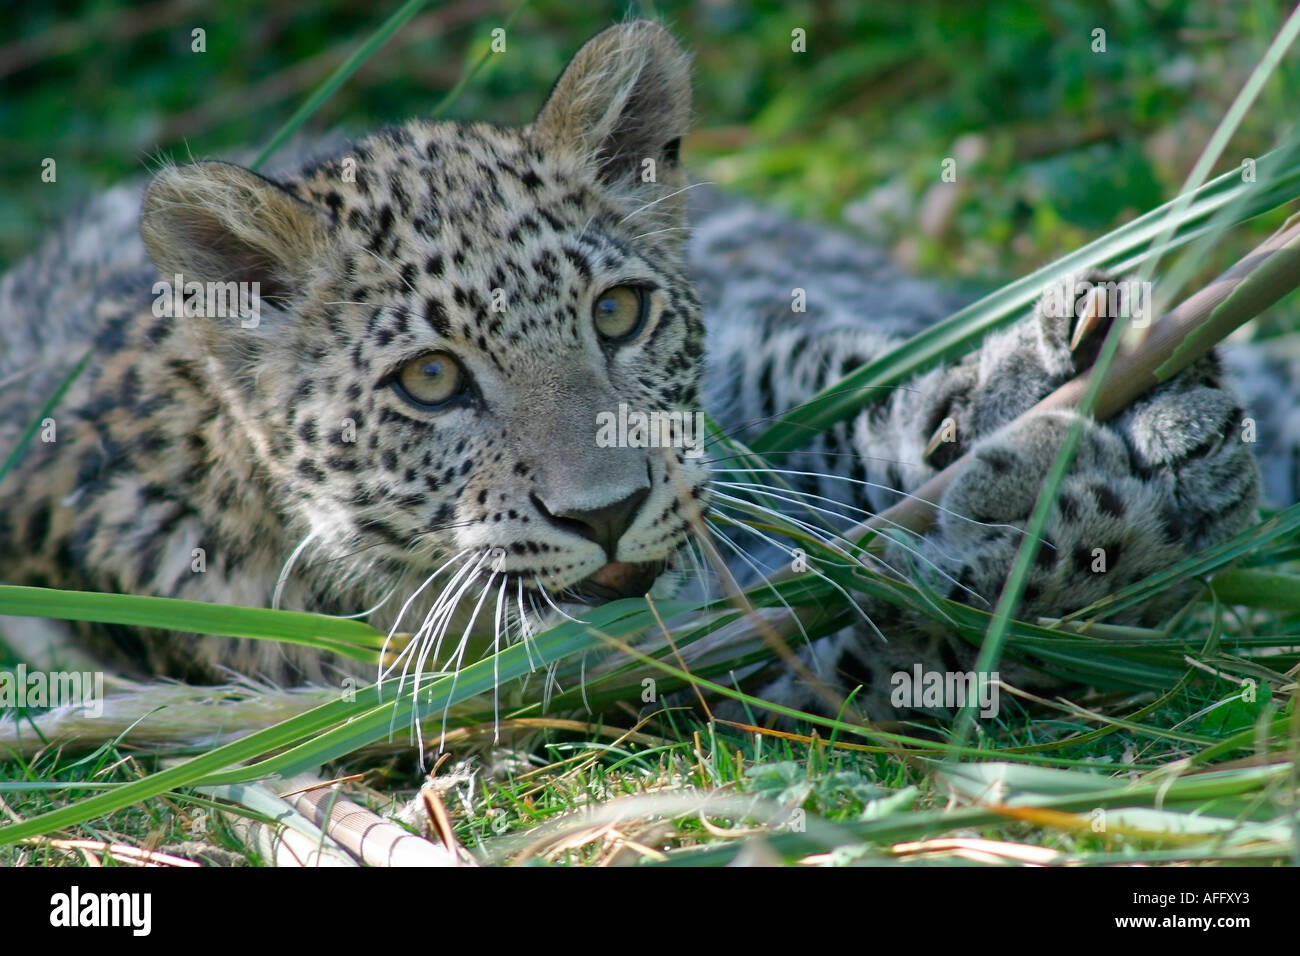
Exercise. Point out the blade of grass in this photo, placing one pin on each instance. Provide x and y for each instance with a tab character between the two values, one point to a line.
46	410
330	86
193	617
454	93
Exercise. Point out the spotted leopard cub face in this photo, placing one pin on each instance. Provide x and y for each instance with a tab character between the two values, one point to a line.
449	310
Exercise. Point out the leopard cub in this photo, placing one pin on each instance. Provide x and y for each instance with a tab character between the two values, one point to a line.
402	417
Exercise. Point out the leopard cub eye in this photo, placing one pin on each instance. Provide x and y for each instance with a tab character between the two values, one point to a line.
619	312
430	380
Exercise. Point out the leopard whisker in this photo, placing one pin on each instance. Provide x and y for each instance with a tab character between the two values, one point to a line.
855	456
525	625
362	614
582	683
885	564
856	562
439	529
496	664
401	614
417	649
546	594
875	485
287	568
697	559
870	484
460	655
749	560
552	667
391	268
445	609
812	530
430	636
827	536
655	202
790	551
551	685
655	232
768	492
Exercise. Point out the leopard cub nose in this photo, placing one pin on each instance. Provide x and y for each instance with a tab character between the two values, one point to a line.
604	525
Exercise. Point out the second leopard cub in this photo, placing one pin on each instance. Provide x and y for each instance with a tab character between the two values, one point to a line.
446	311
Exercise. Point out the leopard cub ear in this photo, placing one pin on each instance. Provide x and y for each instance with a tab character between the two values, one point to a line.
625	98
217	222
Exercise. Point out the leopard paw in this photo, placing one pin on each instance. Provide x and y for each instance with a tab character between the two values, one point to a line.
1016	368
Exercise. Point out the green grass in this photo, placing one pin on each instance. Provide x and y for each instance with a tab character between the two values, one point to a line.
1166	761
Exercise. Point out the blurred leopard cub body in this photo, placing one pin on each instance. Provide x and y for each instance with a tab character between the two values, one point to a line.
447	308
